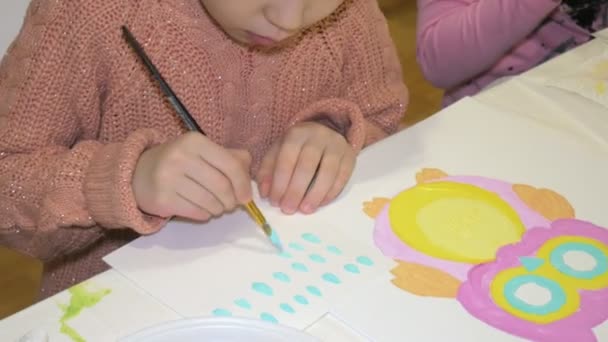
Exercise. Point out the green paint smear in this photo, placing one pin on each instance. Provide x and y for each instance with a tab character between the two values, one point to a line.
81	299
71	333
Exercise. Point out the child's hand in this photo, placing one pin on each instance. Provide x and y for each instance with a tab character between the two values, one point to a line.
289	166
191	177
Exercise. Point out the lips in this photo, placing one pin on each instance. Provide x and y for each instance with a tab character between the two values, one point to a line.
257	39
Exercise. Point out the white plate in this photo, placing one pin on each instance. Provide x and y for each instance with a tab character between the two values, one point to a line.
220	330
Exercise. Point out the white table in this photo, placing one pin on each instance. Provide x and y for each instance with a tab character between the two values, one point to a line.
129	308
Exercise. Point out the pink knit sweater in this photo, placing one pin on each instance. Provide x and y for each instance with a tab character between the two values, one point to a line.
77	109
464	45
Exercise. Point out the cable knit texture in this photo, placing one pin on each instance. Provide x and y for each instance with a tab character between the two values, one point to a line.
77	108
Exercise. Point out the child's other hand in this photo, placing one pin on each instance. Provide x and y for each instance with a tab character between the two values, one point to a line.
289	166
191	177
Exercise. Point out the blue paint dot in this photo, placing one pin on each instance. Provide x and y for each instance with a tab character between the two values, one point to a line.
352	268
280	276
313	290
331	278
296	246
301	299
222	313
311	238
265	316
287	308
558	295
286	255
243	303
300	267
334	250
317	258
601	260
365	261
262	288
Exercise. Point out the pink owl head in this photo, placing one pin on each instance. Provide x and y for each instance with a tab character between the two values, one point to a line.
576	299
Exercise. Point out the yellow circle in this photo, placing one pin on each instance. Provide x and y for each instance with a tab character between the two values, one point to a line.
454	221
497	291
544	252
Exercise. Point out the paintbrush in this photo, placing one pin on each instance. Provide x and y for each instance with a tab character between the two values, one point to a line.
189	121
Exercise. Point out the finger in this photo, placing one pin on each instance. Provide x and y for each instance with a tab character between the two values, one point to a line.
325	179
214	181
285	165
344	173
196	194
231	168
186	209
308	160
264	175
243	156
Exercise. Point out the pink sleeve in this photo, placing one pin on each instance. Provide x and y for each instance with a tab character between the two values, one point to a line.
58	185
459	39
374	95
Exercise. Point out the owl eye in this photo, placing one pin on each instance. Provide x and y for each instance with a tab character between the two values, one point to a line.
546	288
579	260
551	301
534	297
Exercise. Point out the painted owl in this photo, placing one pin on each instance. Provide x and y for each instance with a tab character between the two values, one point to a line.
507	252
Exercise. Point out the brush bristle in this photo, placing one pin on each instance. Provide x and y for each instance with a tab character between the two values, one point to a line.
267	229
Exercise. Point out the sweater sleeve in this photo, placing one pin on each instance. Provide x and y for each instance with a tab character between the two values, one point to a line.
58	184
374	95
457	40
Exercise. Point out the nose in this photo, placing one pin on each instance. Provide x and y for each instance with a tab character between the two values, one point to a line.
287	15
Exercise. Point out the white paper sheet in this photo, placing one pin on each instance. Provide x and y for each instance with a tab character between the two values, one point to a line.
229	267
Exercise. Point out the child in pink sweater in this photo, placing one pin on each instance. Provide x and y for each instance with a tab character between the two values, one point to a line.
92	155
464	45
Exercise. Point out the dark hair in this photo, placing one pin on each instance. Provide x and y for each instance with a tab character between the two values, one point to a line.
584	12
